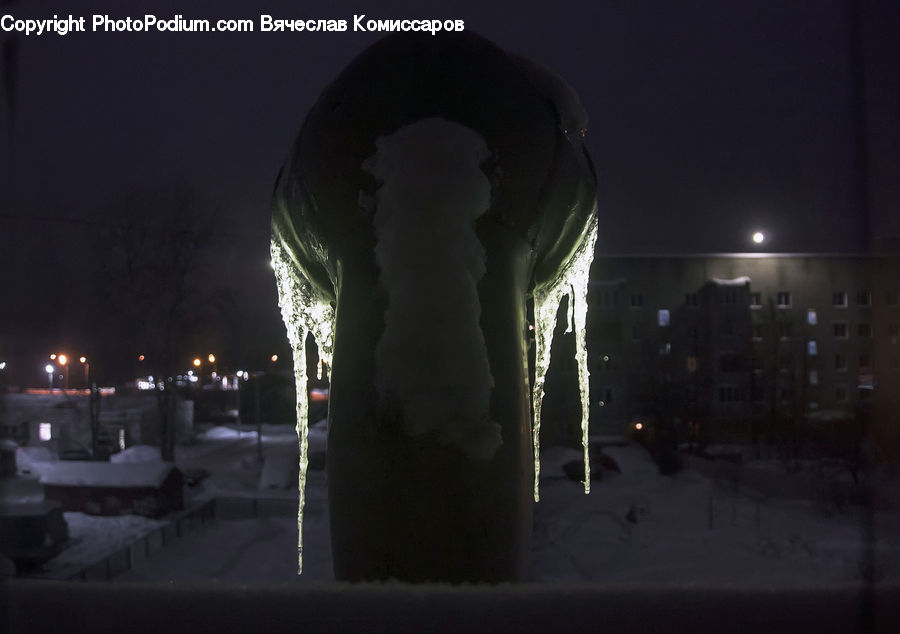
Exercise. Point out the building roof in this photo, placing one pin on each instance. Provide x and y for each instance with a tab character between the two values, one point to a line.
105	474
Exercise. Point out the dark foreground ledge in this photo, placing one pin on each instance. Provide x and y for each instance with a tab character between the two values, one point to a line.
48	606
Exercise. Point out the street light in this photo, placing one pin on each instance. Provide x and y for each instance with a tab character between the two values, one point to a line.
49	369
87	369
63	361
759	237
274	358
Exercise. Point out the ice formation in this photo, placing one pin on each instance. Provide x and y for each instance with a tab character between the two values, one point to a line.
431	356
572	280
304	309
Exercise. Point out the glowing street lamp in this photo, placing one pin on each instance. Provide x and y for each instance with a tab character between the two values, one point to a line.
211	358
274	358
87	369
49	369
197	363
758	237
63	360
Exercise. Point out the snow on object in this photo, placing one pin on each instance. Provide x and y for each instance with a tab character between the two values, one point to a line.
431	191
738	281
135	454
304	309
32	458
105	474
572	280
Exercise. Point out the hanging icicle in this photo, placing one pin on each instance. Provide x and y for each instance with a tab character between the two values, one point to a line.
304	309
571	281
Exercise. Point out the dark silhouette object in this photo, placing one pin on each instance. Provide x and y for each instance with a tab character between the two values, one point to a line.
411	506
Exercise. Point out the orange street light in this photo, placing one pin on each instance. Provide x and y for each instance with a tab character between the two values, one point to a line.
274	358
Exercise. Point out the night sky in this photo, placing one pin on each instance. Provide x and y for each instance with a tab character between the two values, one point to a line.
708	120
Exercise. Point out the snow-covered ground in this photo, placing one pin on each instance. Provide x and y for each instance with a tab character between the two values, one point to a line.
635	527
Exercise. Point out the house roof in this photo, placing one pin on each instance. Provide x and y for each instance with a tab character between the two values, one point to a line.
105	474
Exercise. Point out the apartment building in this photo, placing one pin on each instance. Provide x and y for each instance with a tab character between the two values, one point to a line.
736	346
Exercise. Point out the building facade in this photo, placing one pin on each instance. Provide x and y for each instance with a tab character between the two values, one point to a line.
747	347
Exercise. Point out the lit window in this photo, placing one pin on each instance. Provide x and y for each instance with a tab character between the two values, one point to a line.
691	364
45	431
783	299
755	300
665	348
662	317
811	318
812	348
813	377
839	299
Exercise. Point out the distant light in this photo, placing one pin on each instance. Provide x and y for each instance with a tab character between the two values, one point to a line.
63	359
197	363
639	426
274	358
140	357
121	439
82	359
53	357
212	358
49	369
605	357
2	365
45	431
759	237
190	373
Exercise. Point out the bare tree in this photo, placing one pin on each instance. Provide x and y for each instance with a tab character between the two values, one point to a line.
156	256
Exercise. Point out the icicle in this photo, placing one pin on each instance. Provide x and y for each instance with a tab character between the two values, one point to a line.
571	281
304	309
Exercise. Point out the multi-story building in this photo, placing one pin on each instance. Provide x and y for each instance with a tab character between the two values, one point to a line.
743	346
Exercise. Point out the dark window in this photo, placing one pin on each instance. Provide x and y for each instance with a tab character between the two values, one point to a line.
840	394
839	299
840	362
637	300
729	394
691	299
759	331
783	299
840	329
864	360
785	329
864	298
755	299
890	298
864	330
